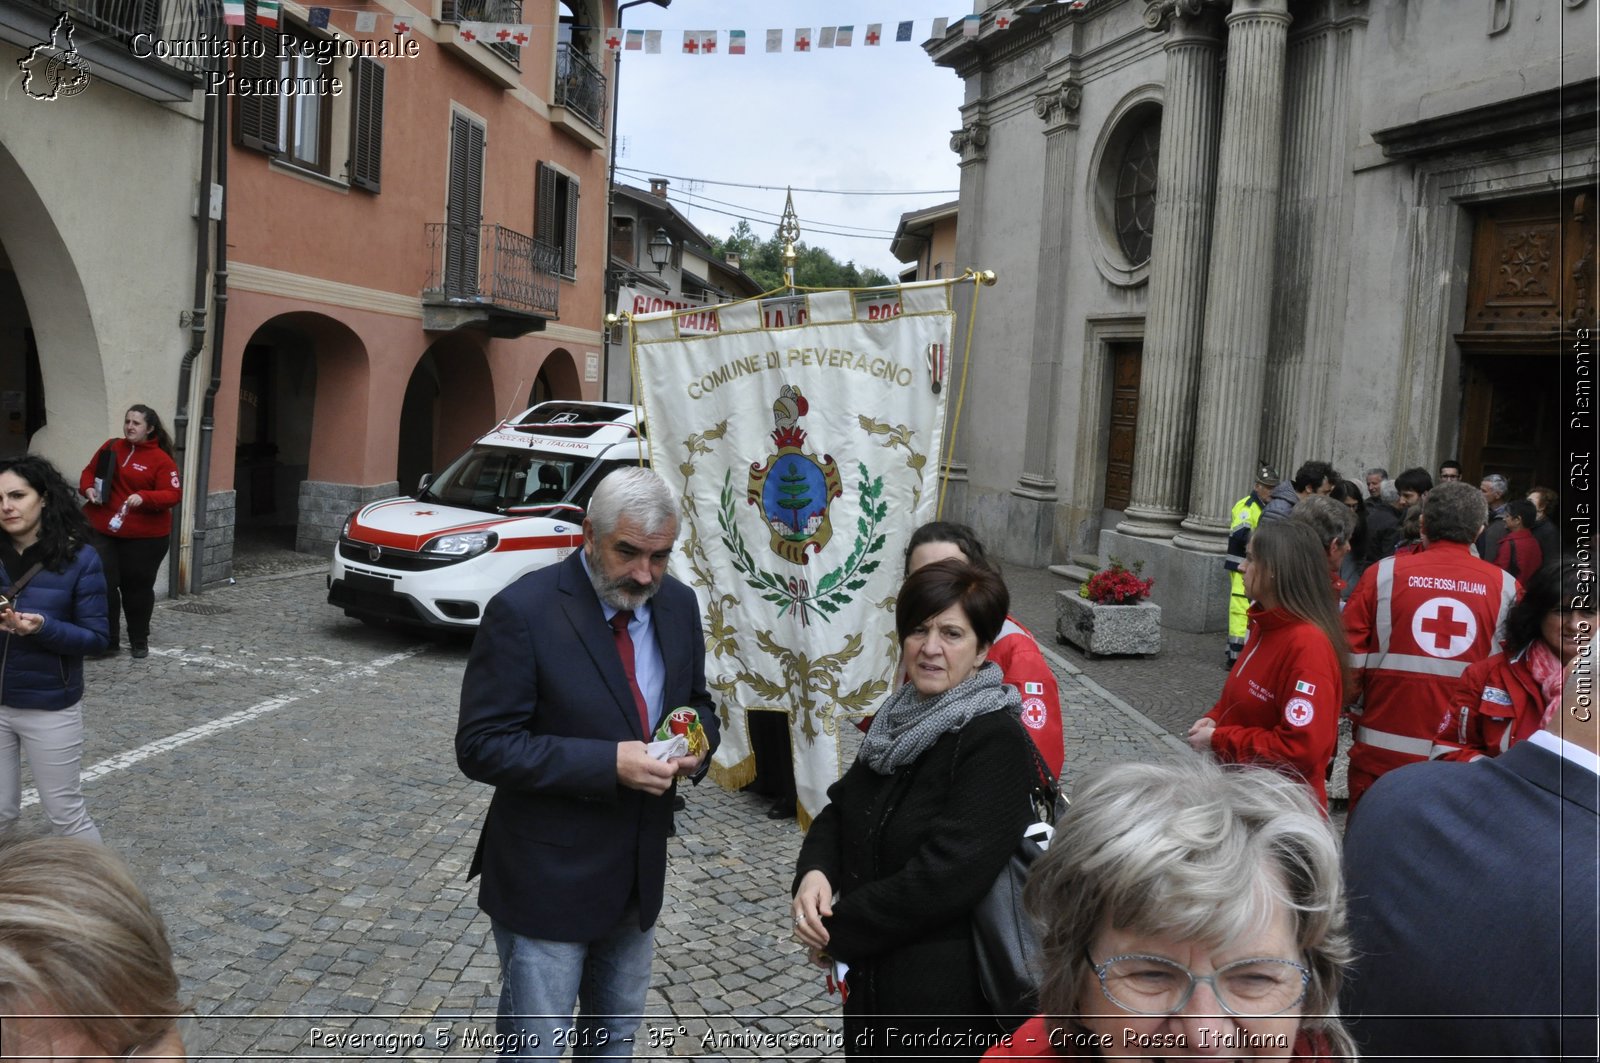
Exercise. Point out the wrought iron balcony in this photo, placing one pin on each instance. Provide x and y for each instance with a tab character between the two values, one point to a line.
500	11
580	86
500	277
176	34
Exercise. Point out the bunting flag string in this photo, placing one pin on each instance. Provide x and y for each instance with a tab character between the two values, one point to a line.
696	42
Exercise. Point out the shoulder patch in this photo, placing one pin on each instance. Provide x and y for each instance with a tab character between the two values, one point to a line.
1033	713
1496	696
1033	688
1302	687
1299	712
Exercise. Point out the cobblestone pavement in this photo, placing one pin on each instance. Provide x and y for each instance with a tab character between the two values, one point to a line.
282	780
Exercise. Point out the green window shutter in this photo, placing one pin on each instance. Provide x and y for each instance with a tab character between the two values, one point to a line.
570	264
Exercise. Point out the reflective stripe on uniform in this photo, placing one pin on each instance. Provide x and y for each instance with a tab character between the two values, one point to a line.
1417	747
1385	603
1408	662
1508	598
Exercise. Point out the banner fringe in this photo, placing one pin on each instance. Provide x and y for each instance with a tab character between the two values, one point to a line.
734	776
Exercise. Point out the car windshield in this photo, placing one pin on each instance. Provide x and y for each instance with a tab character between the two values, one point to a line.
494	479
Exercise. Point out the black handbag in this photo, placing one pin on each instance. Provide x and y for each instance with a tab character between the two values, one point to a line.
1010	954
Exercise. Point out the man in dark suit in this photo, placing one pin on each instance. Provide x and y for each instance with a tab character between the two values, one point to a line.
1473	899
572	669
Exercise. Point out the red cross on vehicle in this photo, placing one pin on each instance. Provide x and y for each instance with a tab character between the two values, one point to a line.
1444	627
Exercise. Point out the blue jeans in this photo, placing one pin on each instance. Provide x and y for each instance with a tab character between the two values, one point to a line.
541	981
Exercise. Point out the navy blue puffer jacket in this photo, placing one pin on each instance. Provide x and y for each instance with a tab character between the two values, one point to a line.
45	670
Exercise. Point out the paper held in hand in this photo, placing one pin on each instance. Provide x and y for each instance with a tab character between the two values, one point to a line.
676	746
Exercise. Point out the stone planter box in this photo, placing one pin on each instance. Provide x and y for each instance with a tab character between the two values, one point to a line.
1108	629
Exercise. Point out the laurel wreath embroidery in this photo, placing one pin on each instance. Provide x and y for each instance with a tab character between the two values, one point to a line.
830	594
809	685
899	436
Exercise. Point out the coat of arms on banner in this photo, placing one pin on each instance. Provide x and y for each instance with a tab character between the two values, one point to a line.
793	488
807	454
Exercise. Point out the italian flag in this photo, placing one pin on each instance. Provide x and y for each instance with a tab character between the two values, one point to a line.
267	13
233	12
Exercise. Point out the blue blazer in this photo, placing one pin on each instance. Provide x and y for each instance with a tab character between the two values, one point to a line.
1473	902
45	671
544	703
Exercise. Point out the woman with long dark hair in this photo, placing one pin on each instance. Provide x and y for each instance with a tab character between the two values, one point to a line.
1504	699
131	485
53	615
1280	705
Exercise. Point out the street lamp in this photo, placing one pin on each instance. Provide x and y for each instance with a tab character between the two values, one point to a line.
660	248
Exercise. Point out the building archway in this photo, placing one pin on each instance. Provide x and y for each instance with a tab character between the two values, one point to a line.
557	378
48	344
449	402
302	389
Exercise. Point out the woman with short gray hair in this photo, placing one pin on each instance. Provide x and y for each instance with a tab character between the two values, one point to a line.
1187	908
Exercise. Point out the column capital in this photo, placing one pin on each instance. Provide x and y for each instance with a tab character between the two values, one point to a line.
1183	18
1058	106
971	141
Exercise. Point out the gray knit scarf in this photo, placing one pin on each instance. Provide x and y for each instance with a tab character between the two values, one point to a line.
908	724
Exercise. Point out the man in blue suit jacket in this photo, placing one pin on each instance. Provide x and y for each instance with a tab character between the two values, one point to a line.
1473	899
573	853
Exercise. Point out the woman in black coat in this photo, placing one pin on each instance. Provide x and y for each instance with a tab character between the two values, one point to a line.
919	828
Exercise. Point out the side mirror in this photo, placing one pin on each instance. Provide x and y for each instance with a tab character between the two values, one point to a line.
423	481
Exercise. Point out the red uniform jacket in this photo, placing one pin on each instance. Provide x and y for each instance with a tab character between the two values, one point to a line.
1494	705
1520	554
143	469
1022	665
1415	623
1280	704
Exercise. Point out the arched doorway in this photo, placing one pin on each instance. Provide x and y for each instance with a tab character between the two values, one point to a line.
449	402
272	452
557	378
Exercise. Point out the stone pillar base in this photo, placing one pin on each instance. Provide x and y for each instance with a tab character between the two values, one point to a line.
1030	532
217	563
1191	587
324	506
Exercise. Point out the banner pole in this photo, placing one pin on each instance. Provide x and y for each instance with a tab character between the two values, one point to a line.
980	279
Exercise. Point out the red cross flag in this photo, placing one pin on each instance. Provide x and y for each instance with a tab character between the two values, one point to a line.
874	33
613	40
1003	18
402	27
708	42
802	40
691	42
471	31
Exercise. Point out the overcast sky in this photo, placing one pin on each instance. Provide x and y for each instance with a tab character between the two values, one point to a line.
849	119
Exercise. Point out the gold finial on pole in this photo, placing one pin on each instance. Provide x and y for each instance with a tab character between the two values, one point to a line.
789	233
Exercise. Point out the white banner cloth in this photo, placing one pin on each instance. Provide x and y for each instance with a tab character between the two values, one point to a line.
805	455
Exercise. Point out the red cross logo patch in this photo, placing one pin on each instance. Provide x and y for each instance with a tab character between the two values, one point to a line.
1299	711
1033	713
1444	627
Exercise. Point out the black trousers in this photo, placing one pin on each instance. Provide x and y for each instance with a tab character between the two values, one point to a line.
131	566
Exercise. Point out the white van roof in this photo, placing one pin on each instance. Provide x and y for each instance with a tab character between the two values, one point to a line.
575	427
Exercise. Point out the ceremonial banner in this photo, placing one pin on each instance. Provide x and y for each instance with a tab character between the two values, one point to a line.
805	454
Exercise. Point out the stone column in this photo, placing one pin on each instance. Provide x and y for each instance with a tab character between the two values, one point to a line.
1181	243
1239	303
1030	536
971	142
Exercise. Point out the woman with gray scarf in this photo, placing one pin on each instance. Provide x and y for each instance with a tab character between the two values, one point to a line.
917	830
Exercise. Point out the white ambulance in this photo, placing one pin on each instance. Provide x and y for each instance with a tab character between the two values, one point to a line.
512	503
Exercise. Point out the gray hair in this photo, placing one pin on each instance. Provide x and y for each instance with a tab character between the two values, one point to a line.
1380	473
1388	493
1454	512
1498	482
78	938
637	493
1329	519
1198	852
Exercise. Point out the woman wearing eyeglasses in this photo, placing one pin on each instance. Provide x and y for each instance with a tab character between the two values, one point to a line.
1188	910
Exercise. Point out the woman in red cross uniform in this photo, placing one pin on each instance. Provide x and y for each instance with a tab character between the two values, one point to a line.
1280	704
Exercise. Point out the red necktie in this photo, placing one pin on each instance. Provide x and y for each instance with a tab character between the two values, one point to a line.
619	629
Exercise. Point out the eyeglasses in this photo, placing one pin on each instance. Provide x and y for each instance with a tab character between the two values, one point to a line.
1151	985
